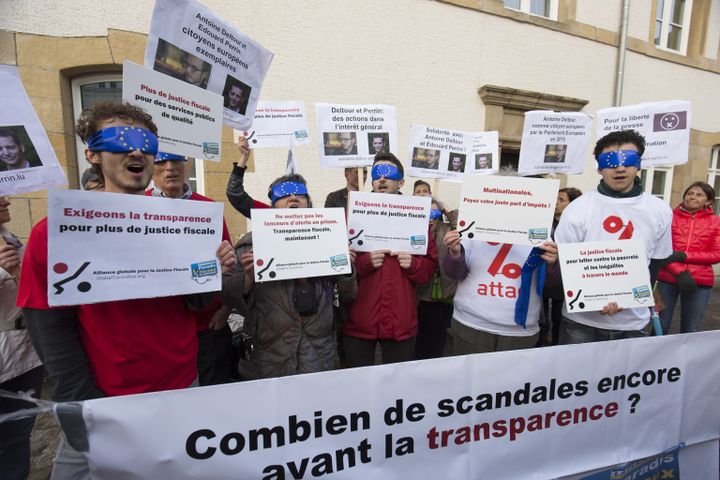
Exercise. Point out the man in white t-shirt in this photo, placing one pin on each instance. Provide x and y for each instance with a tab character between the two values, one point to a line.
618	210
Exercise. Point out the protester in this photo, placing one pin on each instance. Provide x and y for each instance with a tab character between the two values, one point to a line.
291	321
339	198
21	370
618	209
12	153
213	331
119	347
496	310
422	189
696	238
91	181
385	309
236	194
553	296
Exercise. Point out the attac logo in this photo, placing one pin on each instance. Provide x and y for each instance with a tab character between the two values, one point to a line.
498	265
614	224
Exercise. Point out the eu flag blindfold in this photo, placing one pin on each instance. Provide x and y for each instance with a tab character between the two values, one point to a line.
286	188
435	214
385	170
123	139
616	158
163	157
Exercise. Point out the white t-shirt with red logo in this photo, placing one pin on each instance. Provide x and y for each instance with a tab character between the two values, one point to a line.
485	299
596	217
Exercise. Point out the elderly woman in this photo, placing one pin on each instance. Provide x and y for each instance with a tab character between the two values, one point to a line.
290	321
696	239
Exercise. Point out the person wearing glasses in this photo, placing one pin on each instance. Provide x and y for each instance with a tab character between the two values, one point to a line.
195	70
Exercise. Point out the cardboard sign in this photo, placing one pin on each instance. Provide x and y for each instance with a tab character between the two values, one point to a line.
277	124
189	42
554	142
381	221
449	154
189	119
111	246
597	273
299	243
665	126
507	209
27	159
351	135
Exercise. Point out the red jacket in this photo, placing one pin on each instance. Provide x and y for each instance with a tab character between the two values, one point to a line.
698	235
386	302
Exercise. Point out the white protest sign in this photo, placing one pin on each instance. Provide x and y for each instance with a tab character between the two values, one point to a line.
383	221
462	417
351	135
554	142
597	273
27	159
110	246
189	119
189	42
507	209
299	243
277	124
665	126
448	154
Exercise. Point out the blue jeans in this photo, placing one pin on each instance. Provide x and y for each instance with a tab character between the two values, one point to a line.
573	332
692	307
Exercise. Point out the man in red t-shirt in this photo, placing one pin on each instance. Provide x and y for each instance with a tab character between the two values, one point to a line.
213	332
120	347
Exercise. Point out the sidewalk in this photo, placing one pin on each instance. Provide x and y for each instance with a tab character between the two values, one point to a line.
712	314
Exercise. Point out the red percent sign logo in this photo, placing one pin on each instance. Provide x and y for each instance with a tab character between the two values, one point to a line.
614	224
498	265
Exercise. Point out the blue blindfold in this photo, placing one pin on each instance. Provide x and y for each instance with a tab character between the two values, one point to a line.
123	139
286	188
162	157
385	170
616	158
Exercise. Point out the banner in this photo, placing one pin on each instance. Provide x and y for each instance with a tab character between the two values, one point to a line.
665	126
27	159
539	413
189	119
351	135
596	273
189	42
448	154
507	209
111	246
554	142
383	221
277	124
299	243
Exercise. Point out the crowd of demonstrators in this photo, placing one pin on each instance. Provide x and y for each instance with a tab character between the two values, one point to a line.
22	370
435	298
553	296
119	347
291	322
696	241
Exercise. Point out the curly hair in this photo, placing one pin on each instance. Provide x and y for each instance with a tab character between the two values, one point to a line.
618	138
90	119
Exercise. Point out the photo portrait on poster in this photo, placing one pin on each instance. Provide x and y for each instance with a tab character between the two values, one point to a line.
189	119
483	161
665	126
27	159
351	135
554	142
456	164
188	41
277	124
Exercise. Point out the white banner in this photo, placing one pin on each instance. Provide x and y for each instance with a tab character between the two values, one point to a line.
189	119
507	209
596	273
110	246
299	243
539	413
351	135
554	142
449	154
277	124
383	221
189	42
665	126
27	159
